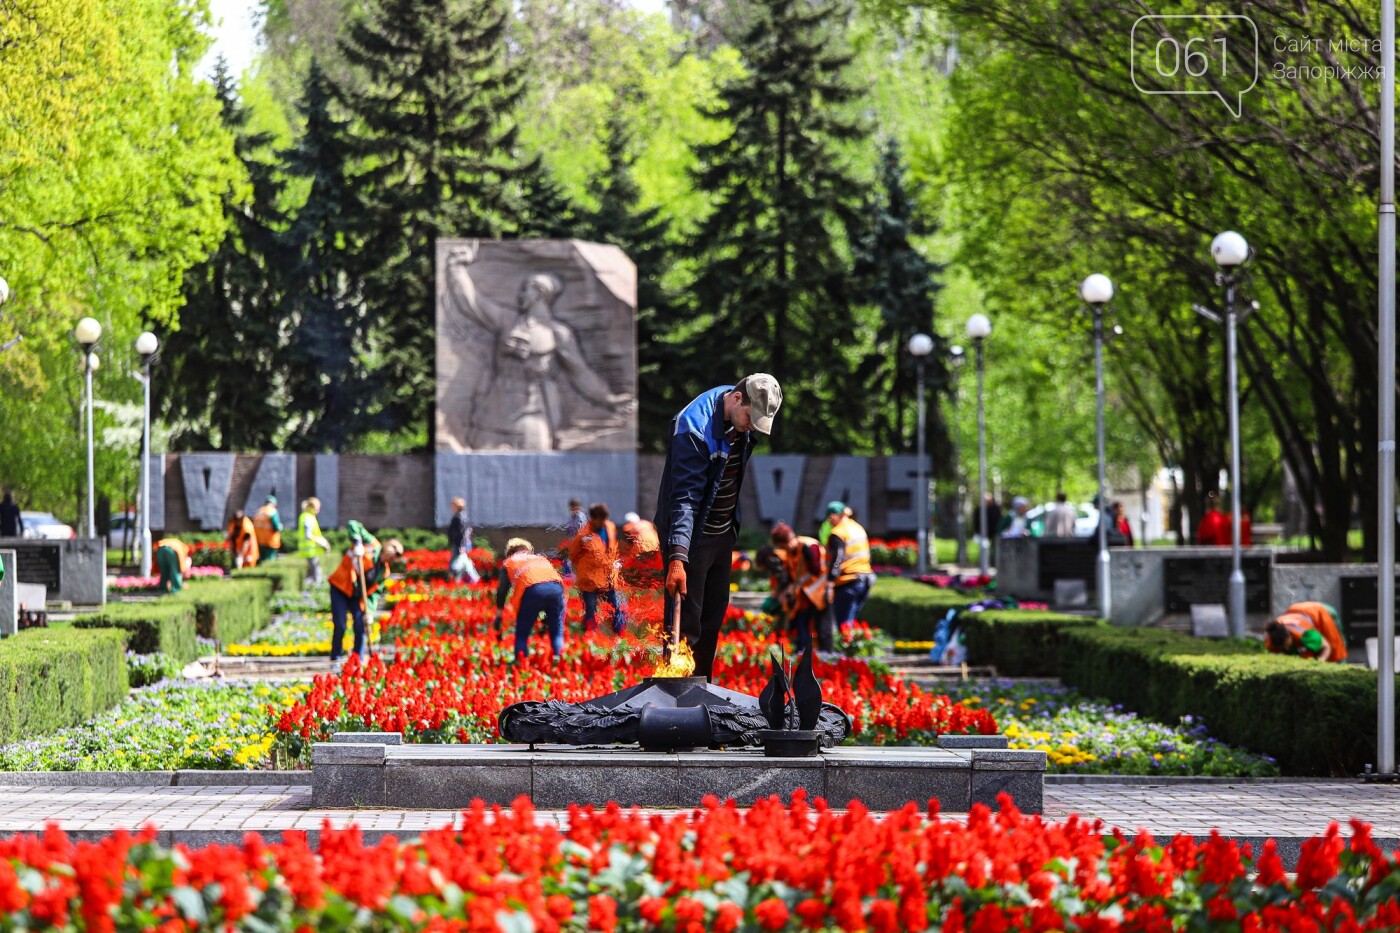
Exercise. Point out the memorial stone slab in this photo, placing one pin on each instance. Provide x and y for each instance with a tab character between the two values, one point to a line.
777	480
206	478
276	476
536	347
9	600
848	482
328	489
1209	620
156	465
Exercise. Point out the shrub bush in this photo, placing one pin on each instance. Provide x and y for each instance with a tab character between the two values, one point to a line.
287	574
908	609
58	677
165	625
1019	642
230	610
1314	718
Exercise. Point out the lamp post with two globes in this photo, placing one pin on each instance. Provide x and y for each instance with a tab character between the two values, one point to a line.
87	333
146	346
1097	291
979	326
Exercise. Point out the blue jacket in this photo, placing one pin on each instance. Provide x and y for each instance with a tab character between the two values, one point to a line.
695	460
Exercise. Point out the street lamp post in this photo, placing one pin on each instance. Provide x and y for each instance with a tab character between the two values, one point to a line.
920	346
1230	251
1097	291
1385	450
87	333
146	346
956	357
978	328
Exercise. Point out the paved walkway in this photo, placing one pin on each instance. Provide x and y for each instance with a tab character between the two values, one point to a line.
1289	812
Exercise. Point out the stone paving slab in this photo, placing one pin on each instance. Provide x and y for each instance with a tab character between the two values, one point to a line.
1289	812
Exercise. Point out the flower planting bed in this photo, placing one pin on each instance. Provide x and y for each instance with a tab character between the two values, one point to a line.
1080	736
777	866
452	674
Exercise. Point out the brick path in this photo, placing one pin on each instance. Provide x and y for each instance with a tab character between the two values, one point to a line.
1289	812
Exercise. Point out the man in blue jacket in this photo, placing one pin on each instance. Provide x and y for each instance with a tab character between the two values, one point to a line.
697	509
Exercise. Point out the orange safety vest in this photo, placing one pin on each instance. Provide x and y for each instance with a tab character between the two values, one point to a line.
857	554
641	537
347	580
524	570
812	587
244	540
268	536
181	549
1300	617
593	560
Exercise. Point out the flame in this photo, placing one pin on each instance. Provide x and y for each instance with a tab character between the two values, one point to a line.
679	661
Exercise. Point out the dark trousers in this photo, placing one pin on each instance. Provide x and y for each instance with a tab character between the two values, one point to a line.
590	609
540	598
848	599
804	619
706	597
340	606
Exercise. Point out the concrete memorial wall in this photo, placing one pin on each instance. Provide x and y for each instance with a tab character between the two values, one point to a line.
201	491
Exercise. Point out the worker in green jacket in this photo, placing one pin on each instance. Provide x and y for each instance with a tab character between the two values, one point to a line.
311	544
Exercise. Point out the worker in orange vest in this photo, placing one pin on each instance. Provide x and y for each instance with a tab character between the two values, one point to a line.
267	525
1308	630
173	559
848	564
594	553
363	568
806	590
534	588
243	540
640	541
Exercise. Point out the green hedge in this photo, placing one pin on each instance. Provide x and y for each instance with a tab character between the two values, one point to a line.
1315	718
908	609
287	574
166	625
54	678
1019	642
230	610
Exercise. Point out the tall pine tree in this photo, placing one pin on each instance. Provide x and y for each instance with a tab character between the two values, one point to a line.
896	278
219	392
324	307
644	235
431	100
773	286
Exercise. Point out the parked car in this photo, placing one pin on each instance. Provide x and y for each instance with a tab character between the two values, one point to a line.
45	525
122	530
1086	520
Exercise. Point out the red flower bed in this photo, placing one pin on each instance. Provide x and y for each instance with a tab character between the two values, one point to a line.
452	675
774	867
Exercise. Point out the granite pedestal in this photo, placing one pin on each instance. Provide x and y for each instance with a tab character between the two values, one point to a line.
359	772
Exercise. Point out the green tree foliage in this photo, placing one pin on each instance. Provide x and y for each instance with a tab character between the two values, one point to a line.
114	163
1064	167
431	99
644	235
221	391
326	318
895	277
773	291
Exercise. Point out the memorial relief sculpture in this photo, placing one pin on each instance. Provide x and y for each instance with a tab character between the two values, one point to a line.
524	379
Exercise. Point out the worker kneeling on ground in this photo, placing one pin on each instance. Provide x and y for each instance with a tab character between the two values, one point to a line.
534	588
1308	630
173	560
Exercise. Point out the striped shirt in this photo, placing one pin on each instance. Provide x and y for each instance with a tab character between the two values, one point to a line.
721	515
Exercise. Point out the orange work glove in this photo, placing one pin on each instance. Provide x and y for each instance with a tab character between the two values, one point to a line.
675	578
